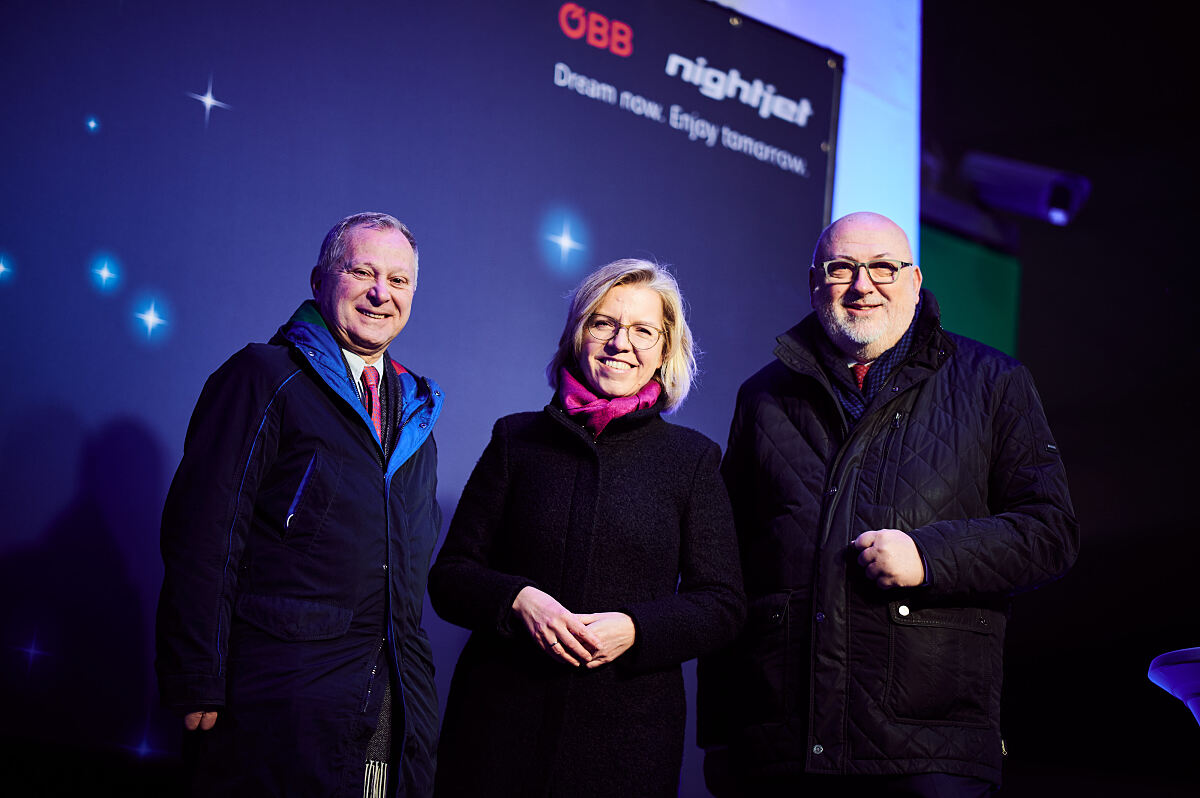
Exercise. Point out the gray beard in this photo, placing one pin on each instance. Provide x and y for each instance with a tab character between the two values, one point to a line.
851	338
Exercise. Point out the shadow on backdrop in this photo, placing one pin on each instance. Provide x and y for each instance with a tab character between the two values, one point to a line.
76	599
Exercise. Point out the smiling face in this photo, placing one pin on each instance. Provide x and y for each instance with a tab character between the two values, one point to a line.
862	319
615	368
367	298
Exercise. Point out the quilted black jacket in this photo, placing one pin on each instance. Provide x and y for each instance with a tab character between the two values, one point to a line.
833	674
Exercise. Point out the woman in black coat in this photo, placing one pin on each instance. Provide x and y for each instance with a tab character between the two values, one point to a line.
592	552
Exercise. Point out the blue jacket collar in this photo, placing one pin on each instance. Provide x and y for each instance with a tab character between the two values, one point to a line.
421	398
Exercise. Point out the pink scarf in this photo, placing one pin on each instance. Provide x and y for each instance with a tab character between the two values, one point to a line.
594	412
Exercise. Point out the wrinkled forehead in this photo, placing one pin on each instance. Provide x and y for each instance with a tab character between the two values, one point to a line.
380	247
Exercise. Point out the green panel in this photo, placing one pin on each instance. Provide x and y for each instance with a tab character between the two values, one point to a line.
976	286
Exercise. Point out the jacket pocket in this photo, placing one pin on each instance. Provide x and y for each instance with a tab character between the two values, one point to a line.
887	468
769	667
944	664
305	515
293	619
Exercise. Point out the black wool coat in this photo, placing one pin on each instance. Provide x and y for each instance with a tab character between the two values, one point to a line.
635	521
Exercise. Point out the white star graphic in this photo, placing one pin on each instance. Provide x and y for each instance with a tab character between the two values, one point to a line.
104	273
4	268
208	100
151	319
565	243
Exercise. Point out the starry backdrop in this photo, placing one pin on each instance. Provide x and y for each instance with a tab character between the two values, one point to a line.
169	171
146	233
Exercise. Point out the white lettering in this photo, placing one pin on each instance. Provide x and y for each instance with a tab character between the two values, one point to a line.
747	145
698	128
719	85
593	89
641	106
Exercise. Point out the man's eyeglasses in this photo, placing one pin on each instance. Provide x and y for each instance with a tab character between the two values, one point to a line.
881	271
641	336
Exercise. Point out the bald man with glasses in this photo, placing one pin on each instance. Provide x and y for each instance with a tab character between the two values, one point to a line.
894	486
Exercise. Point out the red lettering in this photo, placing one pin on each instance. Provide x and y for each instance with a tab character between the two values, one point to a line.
601	32
597	30
571	20
621	39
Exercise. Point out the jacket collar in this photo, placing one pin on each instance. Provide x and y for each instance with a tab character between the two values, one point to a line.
630	425
421	398
797	348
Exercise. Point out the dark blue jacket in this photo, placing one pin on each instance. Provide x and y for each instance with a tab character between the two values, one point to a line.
296	562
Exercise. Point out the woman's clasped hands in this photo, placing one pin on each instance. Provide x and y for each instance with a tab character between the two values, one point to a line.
593	639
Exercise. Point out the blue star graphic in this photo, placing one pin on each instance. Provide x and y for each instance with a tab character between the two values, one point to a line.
151	319
143	748
565	243
208	100
32	652
563	240
5	270
105	274
105	270
92	124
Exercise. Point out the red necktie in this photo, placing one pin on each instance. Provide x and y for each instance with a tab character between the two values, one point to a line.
860	373
370	380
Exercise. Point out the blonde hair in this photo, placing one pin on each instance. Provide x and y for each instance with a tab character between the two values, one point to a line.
678	370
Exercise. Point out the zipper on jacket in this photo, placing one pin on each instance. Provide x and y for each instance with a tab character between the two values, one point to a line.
371	677
837	476
887	450
392	657
308	472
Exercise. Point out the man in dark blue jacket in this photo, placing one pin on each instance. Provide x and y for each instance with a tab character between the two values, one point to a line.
893	486
296	538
